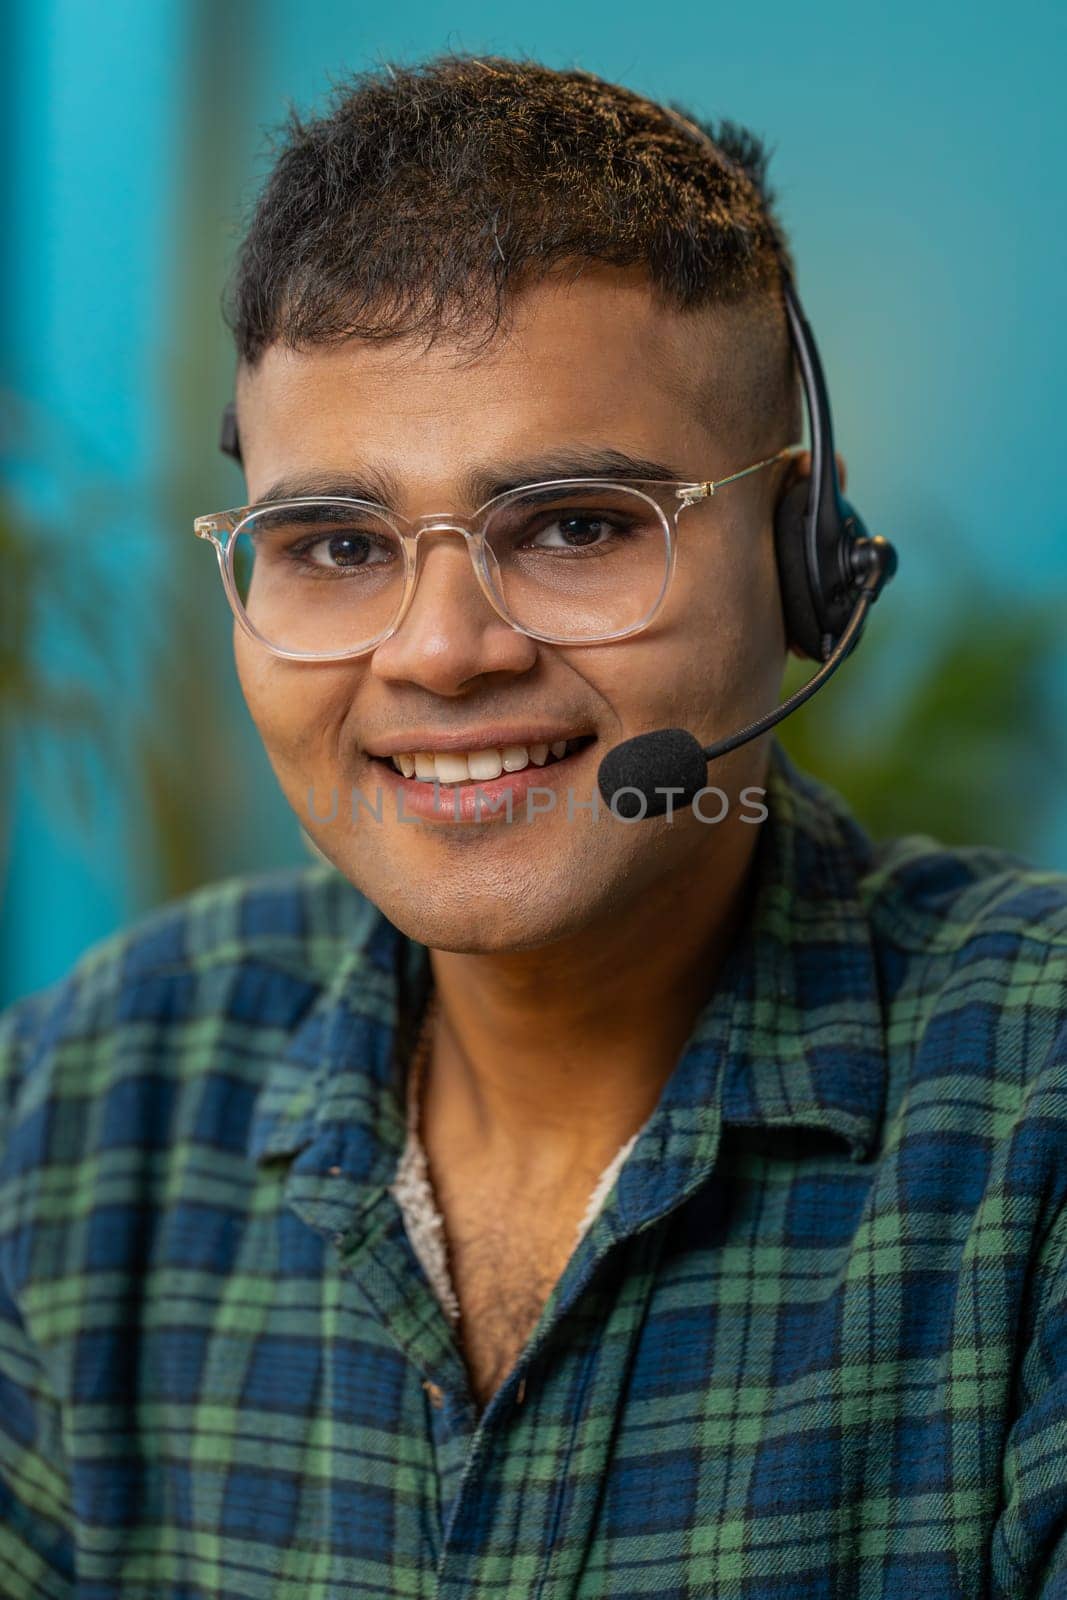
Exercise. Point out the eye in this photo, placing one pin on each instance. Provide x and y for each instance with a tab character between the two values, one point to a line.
577	530
345	550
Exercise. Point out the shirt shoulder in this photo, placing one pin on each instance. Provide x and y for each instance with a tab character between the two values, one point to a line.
971	932
197	979
928	897
971	919
913	893
971	945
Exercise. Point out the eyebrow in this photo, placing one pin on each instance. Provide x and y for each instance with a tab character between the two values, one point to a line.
478	484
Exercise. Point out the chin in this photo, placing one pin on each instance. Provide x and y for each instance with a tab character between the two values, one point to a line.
480	922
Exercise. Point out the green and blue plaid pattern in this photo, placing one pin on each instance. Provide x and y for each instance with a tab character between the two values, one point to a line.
814	1347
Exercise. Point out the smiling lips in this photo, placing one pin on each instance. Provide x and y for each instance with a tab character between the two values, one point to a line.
481	766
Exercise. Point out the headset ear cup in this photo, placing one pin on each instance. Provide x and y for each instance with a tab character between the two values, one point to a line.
802	629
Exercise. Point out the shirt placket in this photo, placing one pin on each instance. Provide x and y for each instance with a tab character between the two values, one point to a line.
517	1487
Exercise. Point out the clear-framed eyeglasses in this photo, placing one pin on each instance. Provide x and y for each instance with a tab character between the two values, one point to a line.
568	561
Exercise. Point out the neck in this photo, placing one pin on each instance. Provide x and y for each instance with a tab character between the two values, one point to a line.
544	1062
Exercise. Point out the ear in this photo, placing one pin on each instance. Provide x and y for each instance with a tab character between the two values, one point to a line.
800	467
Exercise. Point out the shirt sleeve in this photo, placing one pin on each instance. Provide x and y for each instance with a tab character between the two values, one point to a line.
1030	1538
36	1541
36	1546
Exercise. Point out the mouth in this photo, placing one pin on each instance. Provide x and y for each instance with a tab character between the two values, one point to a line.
454	770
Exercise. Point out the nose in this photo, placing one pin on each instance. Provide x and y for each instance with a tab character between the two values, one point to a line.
450	633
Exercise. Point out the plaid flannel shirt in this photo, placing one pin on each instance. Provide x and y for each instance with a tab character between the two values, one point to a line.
814	1344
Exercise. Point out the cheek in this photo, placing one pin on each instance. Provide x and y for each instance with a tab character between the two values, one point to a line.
299	710
713	657
725	603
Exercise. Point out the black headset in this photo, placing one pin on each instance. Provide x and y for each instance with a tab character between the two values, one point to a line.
824	554
823	550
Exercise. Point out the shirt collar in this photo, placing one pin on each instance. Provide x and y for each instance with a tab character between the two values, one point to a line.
808	1048
794	1022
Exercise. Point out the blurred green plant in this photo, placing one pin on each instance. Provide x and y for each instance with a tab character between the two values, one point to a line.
211	804
51	624
966	743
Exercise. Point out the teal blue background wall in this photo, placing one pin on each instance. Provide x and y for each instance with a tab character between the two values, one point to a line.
919	163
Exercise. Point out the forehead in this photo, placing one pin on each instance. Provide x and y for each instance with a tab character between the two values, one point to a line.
596	358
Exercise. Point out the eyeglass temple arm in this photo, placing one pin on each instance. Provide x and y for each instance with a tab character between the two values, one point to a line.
704	491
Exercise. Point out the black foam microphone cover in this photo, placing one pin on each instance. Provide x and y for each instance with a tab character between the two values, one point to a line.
670	758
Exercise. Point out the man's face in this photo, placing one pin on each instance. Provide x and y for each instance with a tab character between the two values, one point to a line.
595	363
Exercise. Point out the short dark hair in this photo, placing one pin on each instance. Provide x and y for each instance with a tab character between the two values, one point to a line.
430	193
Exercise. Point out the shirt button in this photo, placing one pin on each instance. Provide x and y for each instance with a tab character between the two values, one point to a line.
436	1394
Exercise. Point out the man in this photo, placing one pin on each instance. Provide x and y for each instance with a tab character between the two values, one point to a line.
711	1241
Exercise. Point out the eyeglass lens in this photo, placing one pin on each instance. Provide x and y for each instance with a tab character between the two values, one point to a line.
575	563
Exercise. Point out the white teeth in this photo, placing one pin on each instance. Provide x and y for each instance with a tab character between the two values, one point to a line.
485	764
451	768
481	766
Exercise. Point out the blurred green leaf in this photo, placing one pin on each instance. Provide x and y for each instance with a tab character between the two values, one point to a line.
53	714
968	746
